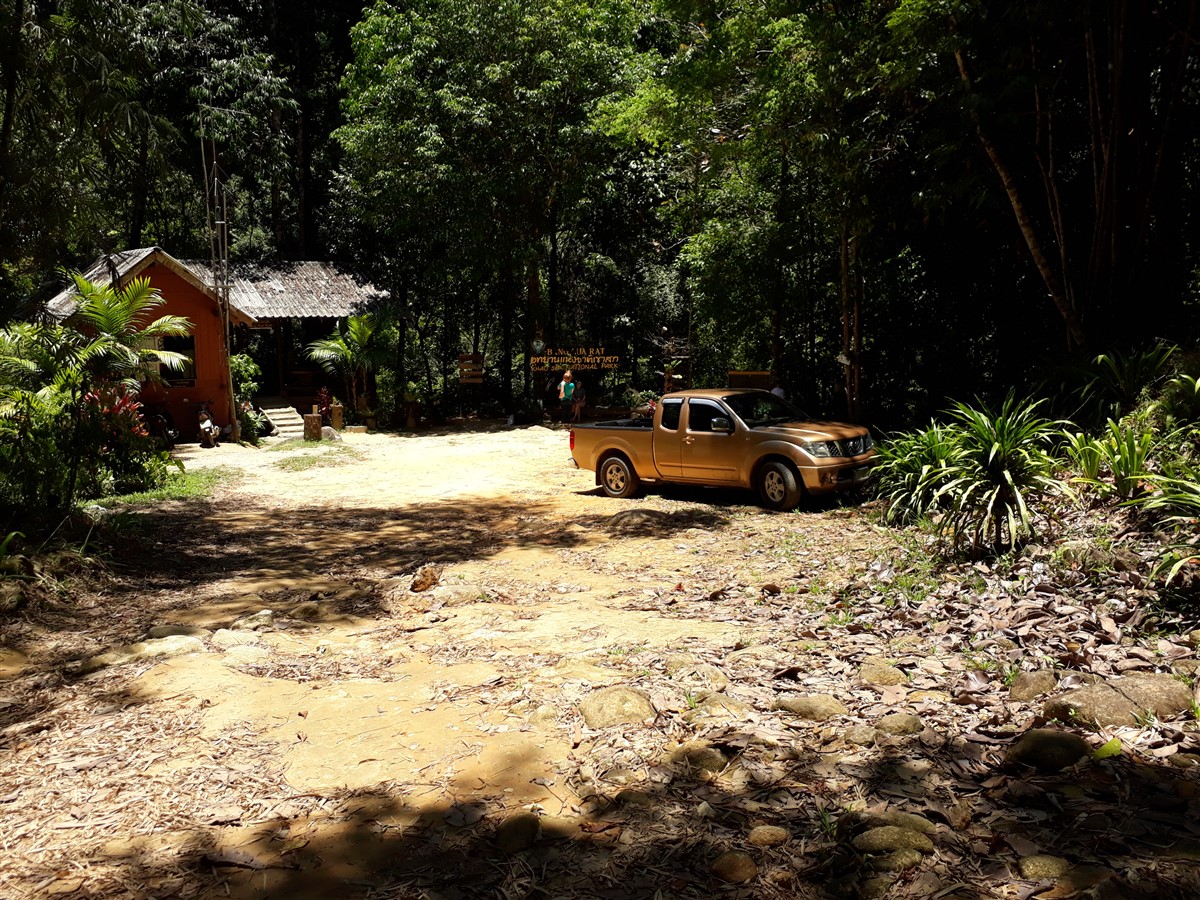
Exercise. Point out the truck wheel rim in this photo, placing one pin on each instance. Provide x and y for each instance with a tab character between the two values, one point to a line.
774	487
614	478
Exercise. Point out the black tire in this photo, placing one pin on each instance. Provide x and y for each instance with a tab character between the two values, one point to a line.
778	486
617	478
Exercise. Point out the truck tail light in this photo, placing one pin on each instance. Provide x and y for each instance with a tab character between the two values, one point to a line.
572	438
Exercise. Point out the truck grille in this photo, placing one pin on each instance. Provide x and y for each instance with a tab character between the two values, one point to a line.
856	445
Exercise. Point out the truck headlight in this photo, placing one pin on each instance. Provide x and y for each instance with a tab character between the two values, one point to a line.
822	449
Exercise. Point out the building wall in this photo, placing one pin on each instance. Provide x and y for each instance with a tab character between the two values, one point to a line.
183	399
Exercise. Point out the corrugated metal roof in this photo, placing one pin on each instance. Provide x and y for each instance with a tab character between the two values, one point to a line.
299	290
282	290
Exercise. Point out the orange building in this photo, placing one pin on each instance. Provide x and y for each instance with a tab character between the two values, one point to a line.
259	297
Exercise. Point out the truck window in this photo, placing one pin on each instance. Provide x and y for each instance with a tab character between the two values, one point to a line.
702	412
670	414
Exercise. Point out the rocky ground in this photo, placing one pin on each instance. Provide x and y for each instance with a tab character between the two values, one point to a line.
446	666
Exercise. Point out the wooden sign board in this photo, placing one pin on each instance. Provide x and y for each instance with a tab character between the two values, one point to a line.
470	368
761	380
589	359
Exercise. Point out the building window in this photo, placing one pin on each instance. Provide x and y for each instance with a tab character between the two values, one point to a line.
185	377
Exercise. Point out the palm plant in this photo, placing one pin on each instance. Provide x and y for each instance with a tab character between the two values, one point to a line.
1003	462
352	353
50	375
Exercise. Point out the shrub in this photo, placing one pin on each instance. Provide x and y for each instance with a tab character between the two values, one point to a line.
913	467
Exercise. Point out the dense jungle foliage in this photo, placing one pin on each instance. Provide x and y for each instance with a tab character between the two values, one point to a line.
886	203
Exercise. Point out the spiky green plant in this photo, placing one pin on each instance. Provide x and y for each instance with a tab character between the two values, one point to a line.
1085	454
1003	463
912	468
1125	451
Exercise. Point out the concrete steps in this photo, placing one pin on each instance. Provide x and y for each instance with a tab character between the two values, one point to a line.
287	421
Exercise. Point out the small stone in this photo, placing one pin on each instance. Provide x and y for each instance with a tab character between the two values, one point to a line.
881	673
519	832
1028	685
328	434
900	724
702	756
224	638
886	838
814	708
262	620
900	819
1048	750
1041	867
1193	638
860	735
701	675
631	797
897	861
617	705
718	706
735	867
930	697
12	595
245	654
544	714
768	836
705	810
162	631
308	610
178	645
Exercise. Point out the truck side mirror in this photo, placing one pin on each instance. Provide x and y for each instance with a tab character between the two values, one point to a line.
721	425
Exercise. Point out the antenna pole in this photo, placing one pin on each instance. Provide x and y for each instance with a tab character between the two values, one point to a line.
216	201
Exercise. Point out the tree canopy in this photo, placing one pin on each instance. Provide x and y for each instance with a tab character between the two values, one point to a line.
883	203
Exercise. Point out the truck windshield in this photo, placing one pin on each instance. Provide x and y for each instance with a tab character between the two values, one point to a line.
763	408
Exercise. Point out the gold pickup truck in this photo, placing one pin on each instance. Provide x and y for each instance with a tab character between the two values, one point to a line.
744	438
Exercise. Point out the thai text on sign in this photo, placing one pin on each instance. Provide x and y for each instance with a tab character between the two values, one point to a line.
586	358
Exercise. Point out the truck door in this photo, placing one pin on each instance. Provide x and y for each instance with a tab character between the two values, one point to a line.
666	439
707	455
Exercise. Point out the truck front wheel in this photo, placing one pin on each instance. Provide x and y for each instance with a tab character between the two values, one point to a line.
778	487
617	478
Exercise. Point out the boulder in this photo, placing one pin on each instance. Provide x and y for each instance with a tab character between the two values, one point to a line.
263	620
1122	701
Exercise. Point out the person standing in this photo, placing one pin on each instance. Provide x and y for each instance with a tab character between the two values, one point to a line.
566	388
578	402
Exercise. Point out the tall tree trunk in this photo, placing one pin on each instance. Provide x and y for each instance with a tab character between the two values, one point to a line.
12	68
1053	283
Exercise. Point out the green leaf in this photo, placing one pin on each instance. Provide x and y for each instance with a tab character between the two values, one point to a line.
1110	748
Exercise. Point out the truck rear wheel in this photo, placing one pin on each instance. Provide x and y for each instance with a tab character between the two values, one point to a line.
617	478
778	487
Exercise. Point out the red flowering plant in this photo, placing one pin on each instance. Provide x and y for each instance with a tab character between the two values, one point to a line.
125	454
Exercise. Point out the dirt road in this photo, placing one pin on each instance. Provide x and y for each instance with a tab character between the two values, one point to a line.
367	729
